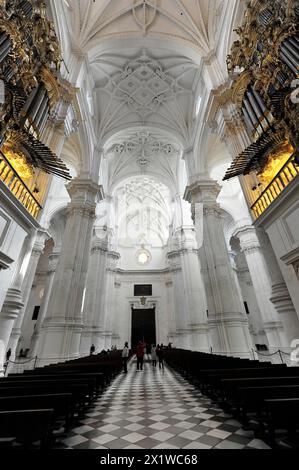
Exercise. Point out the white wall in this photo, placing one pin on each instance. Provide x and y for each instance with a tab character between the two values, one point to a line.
129	261
126	281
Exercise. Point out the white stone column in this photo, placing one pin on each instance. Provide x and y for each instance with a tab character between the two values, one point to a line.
14	306
13	301
62	327
171	322
182	332
53	262
195	297
116	336
93	312
261	280
110	303
229	318
280	296
240	268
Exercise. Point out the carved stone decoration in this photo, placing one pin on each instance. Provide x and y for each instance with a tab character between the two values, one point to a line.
144	85
143	145
144	13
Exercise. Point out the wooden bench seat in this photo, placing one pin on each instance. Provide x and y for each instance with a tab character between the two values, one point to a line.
27	426
61	403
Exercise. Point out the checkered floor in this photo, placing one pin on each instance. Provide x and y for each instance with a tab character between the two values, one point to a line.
157	409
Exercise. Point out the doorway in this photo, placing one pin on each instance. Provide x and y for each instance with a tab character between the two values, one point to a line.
143	326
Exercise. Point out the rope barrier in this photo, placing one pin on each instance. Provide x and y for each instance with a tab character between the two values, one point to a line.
287	354
21	363
266	355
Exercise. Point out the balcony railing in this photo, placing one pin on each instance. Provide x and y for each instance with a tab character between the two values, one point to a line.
12	180
286	174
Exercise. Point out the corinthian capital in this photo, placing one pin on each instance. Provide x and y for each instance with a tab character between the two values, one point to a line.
203	191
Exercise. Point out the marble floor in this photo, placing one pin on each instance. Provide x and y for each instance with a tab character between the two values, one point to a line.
157	409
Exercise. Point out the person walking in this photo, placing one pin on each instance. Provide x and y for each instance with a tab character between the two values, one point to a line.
92	349
160	354
140	354
8	354
125	357
154	355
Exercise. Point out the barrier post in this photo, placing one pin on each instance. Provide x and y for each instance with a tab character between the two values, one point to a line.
279	352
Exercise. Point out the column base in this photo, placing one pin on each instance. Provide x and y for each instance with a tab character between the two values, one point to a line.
276	335
200	337
59	342
230	334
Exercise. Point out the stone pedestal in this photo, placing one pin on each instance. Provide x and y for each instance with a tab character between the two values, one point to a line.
228	320
63	324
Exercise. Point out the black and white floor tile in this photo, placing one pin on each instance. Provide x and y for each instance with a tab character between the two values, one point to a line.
157	409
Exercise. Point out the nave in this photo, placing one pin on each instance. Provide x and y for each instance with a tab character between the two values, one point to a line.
157	409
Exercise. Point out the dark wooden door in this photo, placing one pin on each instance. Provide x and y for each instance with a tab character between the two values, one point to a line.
143	326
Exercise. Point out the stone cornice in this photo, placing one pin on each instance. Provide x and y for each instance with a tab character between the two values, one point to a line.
5	261
80	187
291	257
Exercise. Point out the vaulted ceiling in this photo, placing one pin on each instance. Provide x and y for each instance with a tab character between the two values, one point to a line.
197	22
145	153
142	66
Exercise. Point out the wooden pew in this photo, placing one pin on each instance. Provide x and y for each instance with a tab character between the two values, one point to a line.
31	382
59	374
230	387
211	378
282	413
252	399
78	392
27	426
61	403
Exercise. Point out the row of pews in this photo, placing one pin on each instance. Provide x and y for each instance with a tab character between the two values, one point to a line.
263	396
39	406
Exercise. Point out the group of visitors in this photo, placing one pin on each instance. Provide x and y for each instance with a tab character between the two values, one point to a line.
104	351
142	349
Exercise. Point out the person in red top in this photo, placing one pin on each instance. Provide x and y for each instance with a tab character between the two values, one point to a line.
140	354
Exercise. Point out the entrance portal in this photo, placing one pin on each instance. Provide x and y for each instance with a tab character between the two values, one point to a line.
143	326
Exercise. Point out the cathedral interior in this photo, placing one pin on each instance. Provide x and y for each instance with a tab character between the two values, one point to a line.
149	162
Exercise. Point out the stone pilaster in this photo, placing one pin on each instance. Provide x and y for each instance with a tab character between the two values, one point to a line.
170	312
26	286
63	324
228	319
110	301
182	331
280	296
195	297
93	312
53	262
261	280
13	310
